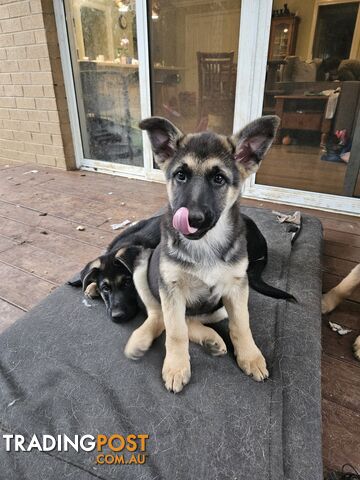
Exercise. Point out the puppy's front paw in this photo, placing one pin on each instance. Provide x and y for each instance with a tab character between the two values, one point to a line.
139	342
91	290
176	373
356	348
253	364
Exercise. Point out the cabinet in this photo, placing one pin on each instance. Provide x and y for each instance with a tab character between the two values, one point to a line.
283	37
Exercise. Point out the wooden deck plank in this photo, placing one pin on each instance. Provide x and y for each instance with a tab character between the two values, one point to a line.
350	240
341	427
77	216
339	346
5	244
74	207
345	389
345	252
337	266
51	242
8	314
48	266
91	235
21	288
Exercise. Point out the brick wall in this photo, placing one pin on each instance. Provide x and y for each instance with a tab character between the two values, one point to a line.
34	122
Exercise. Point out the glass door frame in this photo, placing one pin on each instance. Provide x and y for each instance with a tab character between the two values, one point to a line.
255	23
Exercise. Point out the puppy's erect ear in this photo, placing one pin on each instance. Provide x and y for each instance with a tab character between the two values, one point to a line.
164	137
127	257
90	273
252	143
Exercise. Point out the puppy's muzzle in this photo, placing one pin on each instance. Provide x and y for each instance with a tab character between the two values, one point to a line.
119	316
200	218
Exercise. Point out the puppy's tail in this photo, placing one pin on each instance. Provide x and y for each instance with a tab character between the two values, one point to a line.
257	283
75	282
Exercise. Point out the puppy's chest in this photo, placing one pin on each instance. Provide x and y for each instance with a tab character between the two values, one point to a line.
204	269
219	276
206	285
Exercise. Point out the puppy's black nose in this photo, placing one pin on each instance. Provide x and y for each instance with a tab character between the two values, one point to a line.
118	316
196	218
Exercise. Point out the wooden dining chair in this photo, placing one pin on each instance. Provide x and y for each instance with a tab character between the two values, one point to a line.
216	85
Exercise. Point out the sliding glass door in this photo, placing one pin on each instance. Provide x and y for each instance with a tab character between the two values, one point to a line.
218	64
129	60
104	55
313	85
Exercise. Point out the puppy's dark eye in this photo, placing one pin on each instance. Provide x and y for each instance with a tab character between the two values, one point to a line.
105	287
219	179
181	176
128	282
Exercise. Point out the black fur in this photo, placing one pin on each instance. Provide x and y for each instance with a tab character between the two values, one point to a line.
113	278
114	283
258	256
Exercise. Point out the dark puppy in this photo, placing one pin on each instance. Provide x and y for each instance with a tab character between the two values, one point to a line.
110	276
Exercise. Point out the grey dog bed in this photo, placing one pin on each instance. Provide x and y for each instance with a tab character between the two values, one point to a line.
63	371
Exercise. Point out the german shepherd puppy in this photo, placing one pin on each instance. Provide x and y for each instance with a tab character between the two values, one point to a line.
336	295
110	275
202	259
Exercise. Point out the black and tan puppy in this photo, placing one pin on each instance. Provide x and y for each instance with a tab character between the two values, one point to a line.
110	275
202	259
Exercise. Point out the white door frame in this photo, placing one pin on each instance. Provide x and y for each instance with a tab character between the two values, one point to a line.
255	22
69	80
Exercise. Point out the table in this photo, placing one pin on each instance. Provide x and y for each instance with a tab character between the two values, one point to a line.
302	112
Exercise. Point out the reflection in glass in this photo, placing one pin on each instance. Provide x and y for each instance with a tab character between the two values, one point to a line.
193	62
313	85
104	55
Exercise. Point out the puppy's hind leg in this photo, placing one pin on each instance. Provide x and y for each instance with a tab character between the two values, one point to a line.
142	338
205	336
336	295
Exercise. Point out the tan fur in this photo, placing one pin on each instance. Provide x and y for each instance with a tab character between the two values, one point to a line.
91	290
346	287
184	287
120	253
206	336
336	295
95	264
248	355
356	348
142	338
246	172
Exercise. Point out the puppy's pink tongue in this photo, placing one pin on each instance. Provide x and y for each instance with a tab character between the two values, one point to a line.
181	221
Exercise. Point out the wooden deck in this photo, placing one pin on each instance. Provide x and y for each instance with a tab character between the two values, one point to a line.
41	248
